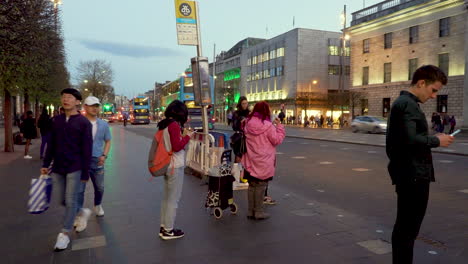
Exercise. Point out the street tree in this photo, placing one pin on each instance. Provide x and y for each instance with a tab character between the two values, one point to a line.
95	77
31	47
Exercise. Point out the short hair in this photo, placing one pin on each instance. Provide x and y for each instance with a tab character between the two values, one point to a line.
261	109
239	103
29	113
430	74
73	92
178	111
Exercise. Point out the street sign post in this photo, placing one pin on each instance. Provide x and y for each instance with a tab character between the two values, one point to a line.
186	22
201	81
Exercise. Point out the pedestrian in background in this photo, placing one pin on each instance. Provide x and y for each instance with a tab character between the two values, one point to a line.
238	119
70	148
408	146
262	137
176	116
453	123
28	131
45	126
229	117
101	146
281	116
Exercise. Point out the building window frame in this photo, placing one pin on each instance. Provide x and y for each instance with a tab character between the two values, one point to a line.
442	103
388	37
333	50
387	72
412	67
413	35
280	71
444	63
366	46
365	75
385	106
333	69
444	27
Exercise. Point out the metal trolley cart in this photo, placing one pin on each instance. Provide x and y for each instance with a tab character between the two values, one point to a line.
220	194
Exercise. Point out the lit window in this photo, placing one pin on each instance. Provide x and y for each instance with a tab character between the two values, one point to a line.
260	58
249	61
265	56
333	69
272	54
333	50
273	72
365	75
254	60
280	52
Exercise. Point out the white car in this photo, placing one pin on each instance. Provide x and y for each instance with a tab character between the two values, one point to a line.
370	124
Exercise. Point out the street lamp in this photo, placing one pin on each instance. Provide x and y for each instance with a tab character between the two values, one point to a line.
344	38
56	4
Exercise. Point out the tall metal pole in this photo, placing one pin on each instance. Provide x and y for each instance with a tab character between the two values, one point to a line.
342	62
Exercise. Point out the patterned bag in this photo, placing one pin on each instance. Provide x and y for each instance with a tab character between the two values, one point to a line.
39	194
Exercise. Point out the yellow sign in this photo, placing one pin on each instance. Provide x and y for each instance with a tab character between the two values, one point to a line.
186	12
186	22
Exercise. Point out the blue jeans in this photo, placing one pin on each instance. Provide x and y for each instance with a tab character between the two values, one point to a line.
44	140
173	183
66	188
96	173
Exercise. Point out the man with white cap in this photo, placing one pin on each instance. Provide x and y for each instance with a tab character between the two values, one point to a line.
101	146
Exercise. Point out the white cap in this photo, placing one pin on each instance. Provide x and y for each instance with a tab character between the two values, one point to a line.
91	100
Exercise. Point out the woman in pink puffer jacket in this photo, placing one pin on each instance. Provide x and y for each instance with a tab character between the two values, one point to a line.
262	137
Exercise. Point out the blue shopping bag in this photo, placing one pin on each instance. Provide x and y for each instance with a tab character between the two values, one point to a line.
39	194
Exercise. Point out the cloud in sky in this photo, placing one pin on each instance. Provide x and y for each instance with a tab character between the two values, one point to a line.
129	50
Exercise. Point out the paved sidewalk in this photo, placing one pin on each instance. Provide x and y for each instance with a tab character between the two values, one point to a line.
460	147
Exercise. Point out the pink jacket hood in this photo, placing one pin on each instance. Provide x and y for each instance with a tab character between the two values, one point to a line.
262	137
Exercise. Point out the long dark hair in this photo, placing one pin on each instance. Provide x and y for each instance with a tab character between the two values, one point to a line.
239	103
176	111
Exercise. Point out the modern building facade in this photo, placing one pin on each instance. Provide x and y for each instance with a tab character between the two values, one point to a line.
296	71
391	39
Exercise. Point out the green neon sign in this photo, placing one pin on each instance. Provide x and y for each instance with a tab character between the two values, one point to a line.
232	74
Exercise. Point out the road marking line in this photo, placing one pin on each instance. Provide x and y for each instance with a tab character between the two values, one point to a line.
298	157
326	162
321	191
305	143
379	231
432	252
89	242
445	161
378	246
463	191
361	169
279	153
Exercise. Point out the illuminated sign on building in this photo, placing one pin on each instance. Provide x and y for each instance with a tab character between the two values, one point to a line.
232	74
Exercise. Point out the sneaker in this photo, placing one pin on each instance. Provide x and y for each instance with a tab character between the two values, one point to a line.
161	230
269	200
77	221
27	157
62	242
83	222
98	210
173	234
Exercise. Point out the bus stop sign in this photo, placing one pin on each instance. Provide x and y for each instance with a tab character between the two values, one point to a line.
201	81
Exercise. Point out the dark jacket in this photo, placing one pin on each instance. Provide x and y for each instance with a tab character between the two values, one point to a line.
237	118
45	124
71	145
28	128
408	143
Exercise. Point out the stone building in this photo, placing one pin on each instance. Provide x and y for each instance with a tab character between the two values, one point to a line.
391	39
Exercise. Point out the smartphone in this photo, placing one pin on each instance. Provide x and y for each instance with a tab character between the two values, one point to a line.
456	132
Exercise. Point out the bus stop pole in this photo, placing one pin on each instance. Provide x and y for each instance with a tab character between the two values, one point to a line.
204	107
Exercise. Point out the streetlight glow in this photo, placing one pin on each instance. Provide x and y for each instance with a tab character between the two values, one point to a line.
85	81
314	82
347	37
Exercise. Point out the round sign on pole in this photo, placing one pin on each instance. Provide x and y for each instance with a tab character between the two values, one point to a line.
185	9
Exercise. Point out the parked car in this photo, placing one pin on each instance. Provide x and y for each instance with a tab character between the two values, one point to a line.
370	124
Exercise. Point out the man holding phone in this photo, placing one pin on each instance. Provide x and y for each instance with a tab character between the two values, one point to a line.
408	147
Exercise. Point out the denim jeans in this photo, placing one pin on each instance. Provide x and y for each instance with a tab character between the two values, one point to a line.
44	141
173	183
96	173
65	189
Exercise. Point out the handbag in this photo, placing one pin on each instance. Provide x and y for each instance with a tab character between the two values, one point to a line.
238	143
39	194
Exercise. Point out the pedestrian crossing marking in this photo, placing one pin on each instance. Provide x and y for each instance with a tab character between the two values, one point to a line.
89	242
326	162
279	153
378	246
298	157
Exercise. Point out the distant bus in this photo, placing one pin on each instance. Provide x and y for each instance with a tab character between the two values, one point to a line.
182	89
140	110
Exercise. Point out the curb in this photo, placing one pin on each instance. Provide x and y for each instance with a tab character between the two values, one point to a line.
365	144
